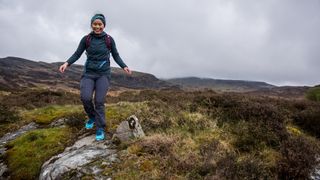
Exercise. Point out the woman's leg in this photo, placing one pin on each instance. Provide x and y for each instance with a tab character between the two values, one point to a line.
101	89
86	92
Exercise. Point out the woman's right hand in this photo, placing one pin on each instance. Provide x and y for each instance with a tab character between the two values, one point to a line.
63	67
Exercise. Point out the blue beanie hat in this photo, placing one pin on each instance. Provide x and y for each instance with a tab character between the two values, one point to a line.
99	16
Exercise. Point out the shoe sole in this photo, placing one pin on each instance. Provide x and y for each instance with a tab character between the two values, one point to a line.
89	127
99	139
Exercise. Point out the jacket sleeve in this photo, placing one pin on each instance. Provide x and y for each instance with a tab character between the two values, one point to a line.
77	54
115	54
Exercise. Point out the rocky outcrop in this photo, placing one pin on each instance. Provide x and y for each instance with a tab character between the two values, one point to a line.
88	157
59	123
13	135
79	158
9	137
129	129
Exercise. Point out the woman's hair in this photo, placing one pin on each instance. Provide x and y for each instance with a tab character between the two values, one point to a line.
99	16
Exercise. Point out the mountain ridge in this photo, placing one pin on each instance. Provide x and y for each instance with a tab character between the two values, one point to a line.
192	82
17	73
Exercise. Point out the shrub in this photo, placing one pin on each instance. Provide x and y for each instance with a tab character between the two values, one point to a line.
313	94
33	98
298	158
254	121
7	114
76	119
309	120
158	144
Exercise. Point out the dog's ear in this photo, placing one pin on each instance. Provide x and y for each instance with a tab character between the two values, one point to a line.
132	123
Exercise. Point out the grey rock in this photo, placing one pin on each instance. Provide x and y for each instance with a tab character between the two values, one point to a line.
129	129
2	150
315	175
13	135
58	123
9	137
3	169
77	159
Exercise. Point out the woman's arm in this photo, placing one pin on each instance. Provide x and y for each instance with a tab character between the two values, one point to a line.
77	54
115	54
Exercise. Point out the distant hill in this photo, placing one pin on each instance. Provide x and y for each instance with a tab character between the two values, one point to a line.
18	73
189	83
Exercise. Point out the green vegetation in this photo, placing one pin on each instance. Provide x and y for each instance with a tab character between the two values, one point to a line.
27	153
47	114
313	94
308	119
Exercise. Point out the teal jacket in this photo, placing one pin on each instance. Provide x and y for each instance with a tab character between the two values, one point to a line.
98	55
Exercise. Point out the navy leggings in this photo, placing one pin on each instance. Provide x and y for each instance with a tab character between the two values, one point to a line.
100	84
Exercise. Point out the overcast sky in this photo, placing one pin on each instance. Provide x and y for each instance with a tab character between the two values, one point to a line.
276	41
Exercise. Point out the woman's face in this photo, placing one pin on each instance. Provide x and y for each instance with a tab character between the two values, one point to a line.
97	26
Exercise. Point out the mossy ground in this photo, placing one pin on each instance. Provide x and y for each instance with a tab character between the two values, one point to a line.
28	152
47	114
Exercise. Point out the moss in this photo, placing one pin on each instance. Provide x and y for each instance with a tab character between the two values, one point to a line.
46	115
27	153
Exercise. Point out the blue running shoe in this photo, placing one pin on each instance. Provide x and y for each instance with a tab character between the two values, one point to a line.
100	134
89	124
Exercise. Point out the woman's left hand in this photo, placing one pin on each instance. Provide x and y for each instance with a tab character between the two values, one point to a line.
127	70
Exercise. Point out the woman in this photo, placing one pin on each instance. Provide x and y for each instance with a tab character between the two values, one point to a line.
97	72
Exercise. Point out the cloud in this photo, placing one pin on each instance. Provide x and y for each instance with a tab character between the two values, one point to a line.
272	41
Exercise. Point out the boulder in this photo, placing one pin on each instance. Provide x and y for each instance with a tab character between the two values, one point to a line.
128	130
77	159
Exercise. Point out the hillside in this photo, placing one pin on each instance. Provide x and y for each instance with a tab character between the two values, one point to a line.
18	73
219	84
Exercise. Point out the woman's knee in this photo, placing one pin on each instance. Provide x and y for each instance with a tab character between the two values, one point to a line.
99	102
85	98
